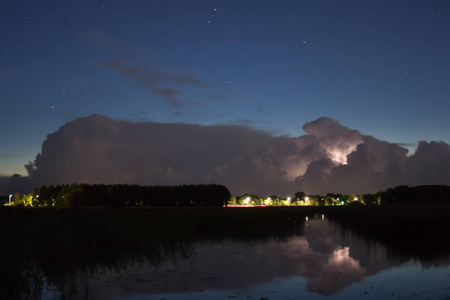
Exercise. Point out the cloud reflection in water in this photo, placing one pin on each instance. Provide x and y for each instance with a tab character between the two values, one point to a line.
328	259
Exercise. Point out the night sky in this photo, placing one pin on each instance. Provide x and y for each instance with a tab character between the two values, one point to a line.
380	68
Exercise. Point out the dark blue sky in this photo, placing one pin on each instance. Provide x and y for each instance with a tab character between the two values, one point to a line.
381	67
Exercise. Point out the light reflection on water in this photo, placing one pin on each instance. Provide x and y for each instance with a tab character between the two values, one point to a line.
322	262
220	254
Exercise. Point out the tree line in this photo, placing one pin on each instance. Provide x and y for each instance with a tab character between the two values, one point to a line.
122	195
399	194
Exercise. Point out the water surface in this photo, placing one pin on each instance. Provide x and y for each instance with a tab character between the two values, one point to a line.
306	257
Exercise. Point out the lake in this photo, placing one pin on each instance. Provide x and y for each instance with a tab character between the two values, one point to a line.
230	253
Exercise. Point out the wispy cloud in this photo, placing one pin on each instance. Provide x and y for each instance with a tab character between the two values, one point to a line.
152	77
156	81
169	94
166	84
108	43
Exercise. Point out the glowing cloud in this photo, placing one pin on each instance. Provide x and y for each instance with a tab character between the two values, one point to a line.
329	158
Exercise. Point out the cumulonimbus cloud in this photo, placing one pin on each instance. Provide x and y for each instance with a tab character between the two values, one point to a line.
329	158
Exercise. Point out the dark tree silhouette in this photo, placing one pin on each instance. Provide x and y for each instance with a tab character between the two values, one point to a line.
120	195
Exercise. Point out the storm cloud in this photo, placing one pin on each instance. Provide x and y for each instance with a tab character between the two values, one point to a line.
328	158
